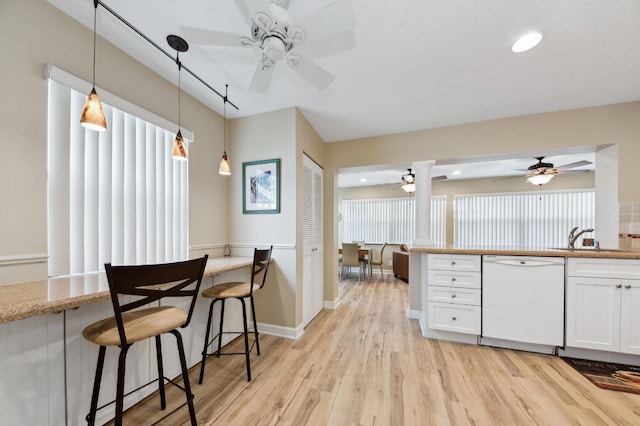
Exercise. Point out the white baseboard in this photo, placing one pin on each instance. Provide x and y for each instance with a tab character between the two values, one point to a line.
331	304
414	314
279	331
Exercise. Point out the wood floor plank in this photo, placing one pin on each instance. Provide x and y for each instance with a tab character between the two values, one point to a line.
366	363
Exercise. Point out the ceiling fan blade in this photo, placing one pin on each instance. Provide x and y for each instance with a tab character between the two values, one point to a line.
261	78
576	164
572	172
310	71
210	37
333	19
507	178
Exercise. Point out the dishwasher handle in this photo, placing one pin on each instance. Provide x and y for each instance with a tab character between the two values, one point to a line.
525	261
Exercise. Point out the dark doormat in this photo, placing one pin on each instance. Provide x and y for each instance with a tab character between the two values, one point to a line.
607	375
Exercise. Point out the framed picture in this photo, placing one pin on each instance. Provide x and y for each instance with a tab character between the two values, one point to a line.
261	187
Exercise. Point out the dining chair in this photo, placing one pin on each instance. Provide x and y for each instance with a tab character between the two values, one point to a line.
129	325
240	291
380	260
350	258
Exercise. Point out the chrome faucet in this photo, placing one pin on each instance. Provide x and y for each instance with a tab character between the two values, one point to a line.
573	236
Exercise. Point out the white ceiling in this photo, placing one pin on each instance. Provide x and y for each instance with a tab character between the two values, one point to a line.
408	65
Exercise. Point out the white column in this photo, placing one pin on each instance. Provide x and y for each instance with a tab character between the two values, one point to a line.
422	170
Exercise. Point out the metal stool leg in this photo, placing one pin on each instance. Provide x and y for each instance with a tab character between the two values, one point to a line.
185	376
91	417
246	338
122	361
255	325
206	341
163	400
221	323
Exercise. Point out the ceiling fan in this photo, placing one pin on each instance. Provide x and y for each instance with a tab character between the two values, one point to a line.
409	181
541	173
276	37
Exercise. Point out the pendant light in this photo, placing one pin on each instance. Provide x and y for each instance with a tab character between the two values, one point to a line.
179	149
92	116
225	165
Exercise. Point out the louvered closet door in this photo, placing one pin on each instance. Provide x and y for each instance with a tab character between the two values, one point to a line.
312	297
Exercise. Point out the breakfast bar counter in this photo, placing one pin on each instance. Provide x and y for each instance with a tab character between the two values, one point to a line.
28	299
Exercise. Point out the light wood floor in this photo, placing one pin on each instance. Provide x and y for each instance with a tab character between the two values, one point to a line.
365	363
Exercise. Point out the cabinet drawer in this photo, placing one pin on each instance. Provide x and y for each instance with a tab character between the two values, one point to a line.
603	268
456	318
454	262
457	296
454	279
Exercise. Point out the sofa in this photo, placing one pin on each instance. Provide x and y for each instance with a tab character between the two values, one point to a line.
401	263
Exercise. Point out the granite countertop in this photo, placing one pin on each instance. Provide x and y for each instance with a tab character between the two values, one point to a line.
28	299
530	251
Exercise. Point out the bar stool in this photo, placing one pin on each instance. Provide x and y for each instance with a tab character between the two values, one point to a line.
128	326
240	291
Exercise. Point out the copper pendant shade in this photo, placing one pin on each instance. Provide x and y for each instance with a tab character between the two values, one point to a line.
92	116
179	149
225	164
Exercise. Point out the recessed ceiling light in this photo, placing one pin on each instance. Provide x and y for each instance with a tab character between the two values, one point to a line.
456	173
526	42
363	180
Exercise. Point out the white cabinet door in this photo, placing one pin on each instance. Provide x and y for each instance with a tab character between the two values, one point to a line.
630	317
312	263
593	313
32	371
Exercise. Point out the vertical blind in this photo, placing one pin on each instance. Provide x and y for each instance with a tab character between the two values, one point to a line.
114	196
518	219
390	220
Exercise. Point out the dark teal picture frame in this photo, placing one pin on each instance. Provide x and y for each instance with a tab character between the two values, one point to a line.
261	187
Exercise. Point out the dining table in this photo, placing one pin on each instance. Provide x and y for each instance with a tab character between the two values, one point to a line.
364	251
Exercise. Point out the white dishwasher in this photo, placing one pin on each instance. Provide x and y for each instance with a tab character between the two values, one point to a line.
523	300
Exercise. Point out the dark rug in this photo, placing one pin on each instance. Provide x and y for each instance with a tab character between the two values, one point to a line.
607	375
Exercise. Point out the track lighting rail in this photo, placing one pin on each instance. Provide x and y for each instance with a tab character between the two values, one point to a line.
154	44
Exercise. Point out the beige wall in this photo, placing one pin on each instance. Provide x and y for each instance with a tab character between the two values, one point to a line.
599	126
262	137
39	33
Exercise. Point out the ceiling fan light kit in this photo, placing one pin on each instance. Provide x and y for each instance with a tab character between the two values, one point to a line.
539	179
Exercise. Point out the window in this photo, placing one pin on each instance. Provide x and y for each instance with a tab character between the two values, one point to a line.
114	196
390	220
540	219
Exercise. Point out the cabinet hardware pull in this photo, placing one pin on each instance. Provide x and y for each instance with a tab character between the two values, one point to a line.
453	296
453	263
628	286
453	279
618	285
454	318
